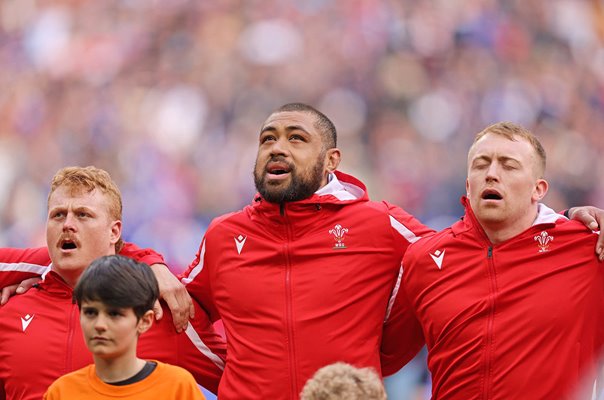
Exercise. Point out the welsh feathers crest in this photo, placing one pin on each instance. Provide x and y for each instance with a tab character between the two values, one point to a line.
338	232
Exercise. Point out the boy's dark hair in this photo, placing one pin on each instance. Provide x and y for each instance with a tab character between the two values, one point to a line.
119	282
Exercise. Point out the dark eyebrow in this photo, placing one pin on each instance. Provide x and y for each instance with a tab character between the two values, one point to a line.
290	128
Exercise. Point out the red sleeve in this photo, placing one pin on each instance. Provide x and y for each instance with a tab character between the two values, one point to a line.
406	228
17	265
148	256
402	336
197	280
204	353
200	349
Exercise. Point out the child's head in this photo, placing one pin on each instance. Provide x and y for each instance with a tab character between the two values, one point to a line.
341	381
118	282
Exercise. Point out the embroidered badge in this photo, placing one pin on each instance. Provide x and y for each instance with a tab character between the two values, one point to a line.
543	240
338	232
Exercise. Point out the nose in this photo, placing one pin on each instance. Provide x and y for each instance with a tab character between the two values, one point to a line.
280	147
492	172
100	324
69	223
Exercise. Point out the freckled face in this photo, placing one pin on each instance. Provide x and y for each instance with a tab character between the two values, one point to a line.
79	230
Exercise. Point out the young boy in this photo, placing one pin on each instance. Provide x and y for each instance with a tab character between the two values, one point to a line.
115	296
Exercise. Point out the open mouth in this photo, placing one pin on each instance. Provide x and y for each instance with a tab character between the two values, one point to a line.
278	168
491	194
68	244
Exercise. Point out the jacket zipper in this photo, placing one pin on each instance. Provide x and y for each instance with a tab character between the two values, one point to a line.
490	322
73	314
289	308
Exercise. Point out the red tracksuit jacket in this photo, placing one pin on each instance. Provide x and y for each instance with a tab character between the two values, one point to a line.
302	285
523	319
41	339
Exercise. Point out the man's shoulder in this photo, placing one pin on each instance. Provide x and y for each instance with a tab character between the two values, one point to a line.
429	243
569	236
239	217
20	302
572	227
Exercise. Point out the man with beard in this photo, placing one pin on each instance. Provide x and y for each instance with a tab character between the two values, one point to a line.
305	275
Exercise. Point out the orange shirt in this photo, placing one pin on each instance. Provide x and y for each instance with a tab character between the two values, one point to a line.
165	382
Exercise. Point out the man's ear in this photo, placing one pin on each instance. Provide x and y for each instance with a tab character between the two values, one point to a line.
116	231
145	322
332	159
540	190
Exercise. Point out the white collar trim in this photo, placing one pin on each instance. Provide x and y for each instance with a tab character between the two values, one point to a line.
341	191
546	215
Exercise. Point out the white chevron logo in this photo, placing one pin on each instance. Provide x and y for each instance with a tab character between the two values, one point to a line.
25	321
239	242
438	257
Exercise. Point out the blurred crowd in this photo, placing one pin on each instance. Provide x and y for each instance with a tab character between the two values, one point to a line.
168	96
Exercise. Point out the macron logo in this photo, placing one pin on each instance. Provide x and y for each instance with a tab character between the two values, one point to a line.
438	257
239	242
25	321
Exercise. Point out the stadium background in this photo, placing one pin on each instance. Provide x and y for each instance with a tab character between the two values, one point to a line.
168	96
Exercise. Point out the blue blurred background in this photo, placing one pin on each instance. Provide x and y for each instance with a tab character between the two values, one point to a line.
168	96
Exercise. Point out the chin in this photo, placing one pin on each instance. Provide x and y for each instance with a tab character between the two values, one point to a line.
490	215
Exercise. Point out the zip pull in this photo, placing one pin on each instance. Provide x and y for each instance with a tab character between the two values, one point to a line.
282	209
490	252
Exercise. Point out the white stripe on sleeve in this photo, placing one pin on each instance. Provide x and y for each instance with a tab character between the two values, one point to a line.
394	293
201	346
24	267
403	230
195	271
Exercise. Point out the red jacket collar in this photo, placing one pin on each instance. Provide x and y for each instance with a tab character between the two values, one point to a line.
343	189
545	217
55	285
